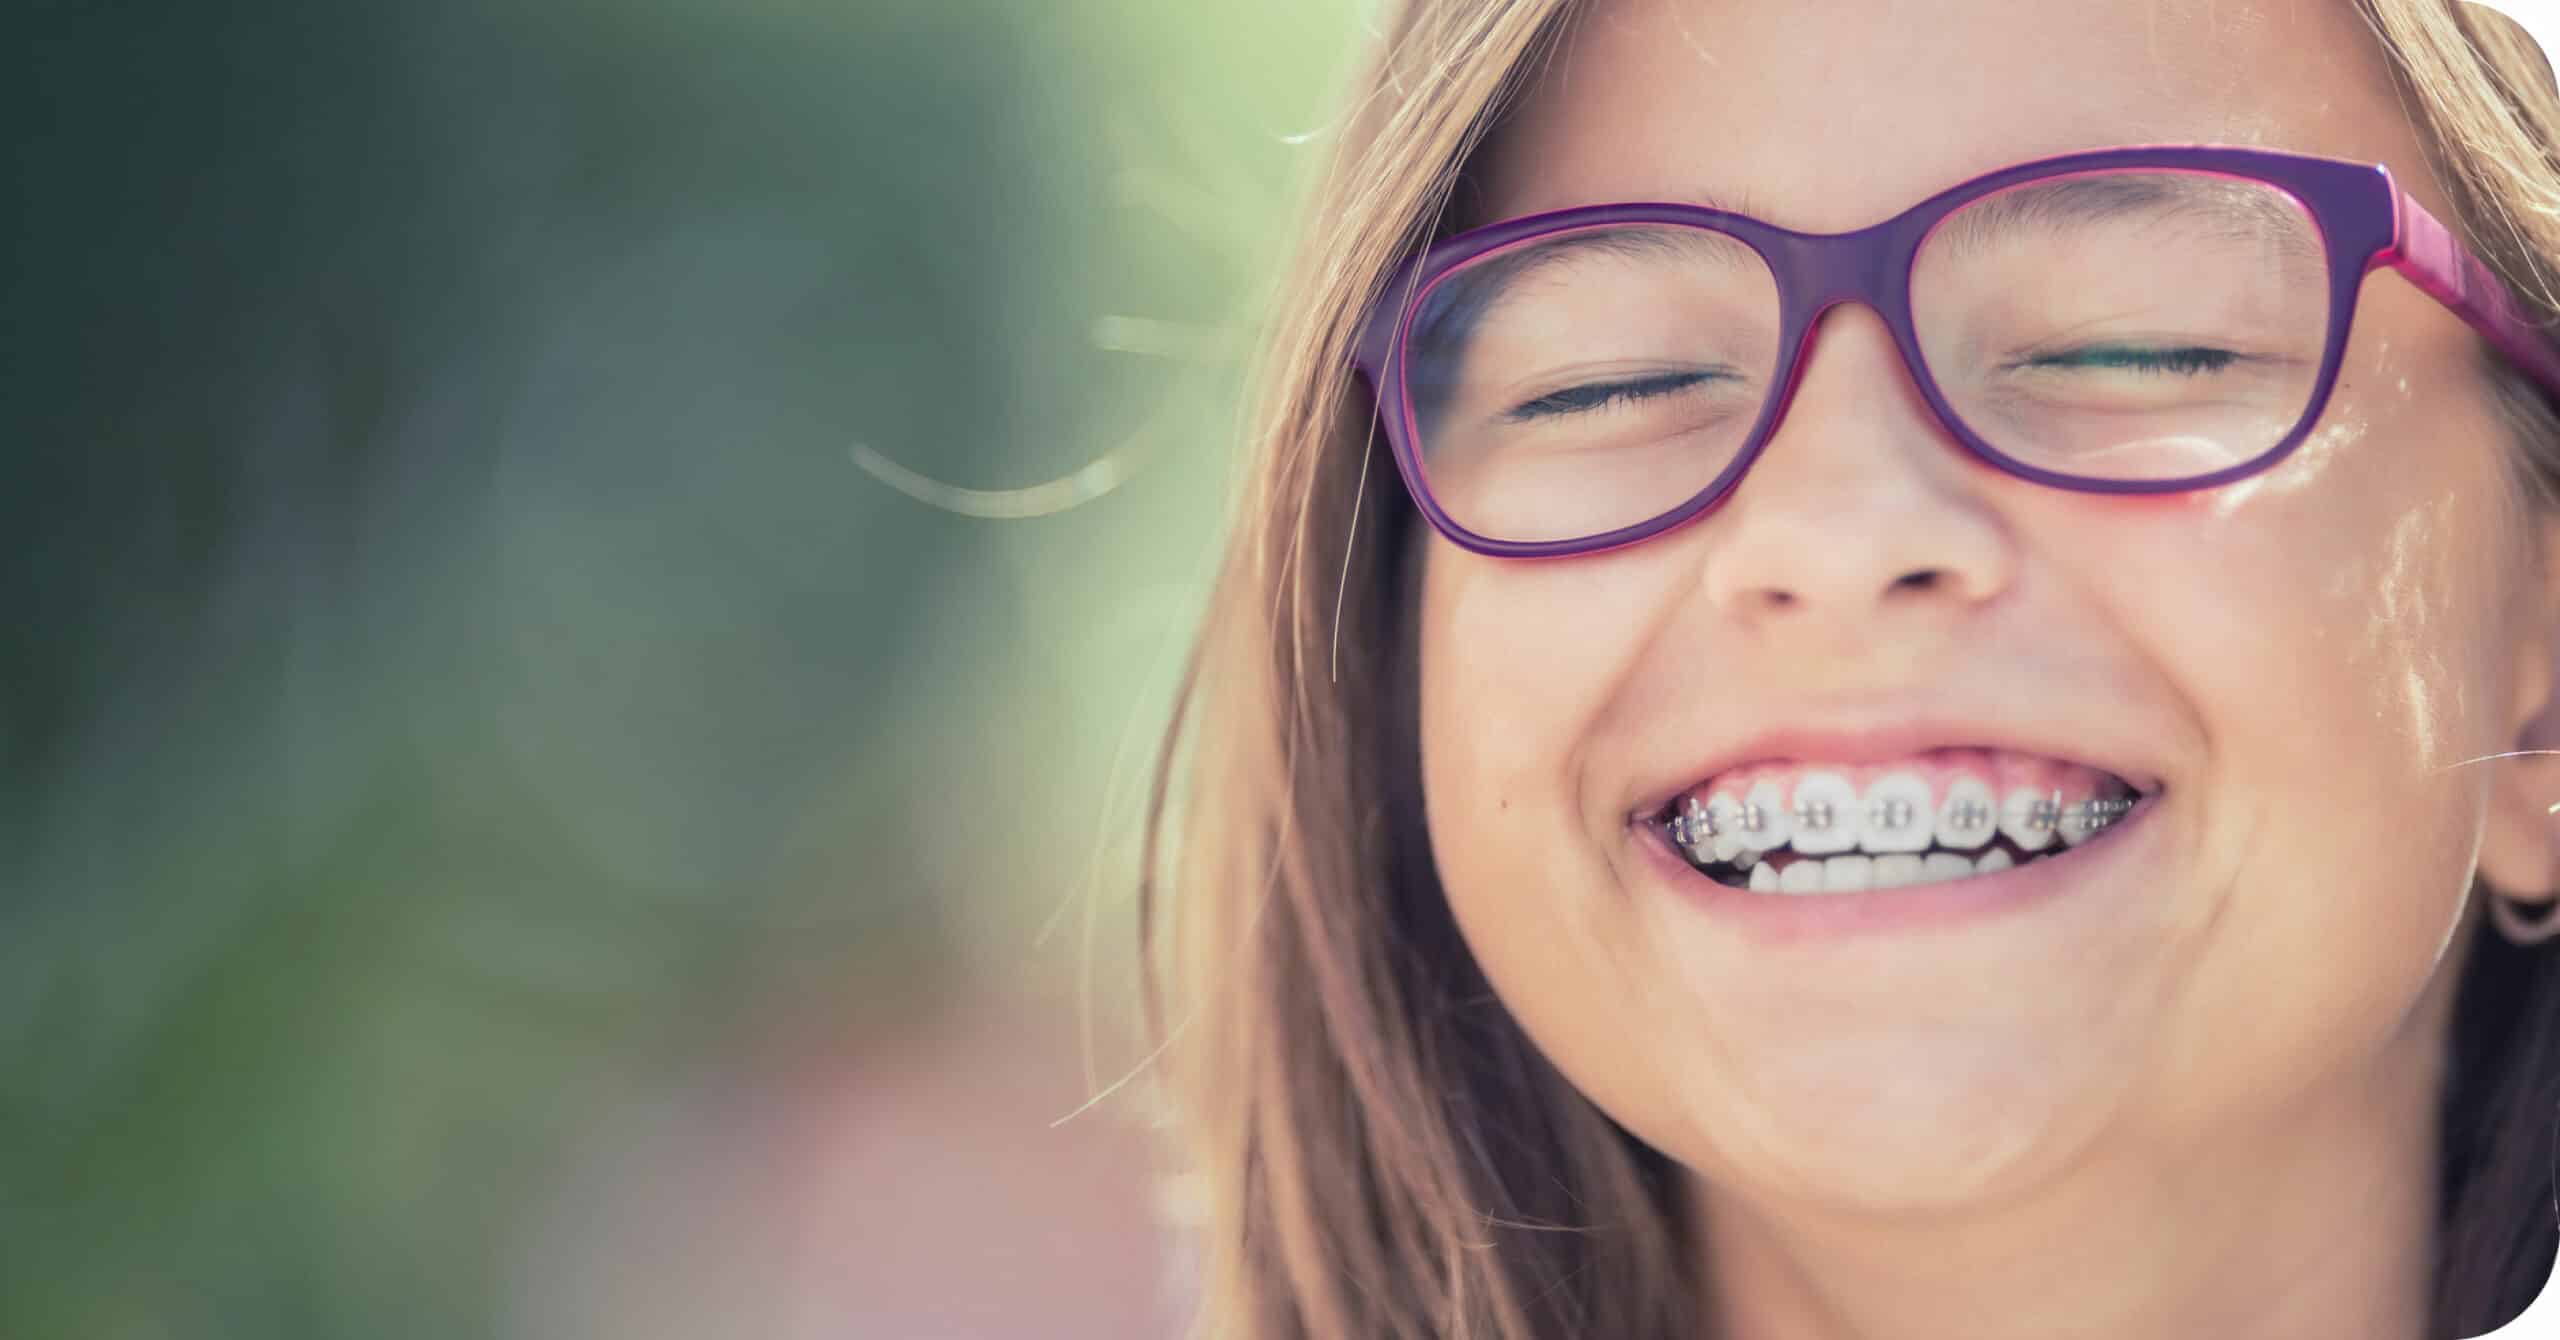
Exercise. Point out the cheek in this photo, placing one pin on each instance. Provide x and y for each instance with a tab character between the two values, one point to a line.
2337	609
1520	663
2359	623
2333	631
1521	672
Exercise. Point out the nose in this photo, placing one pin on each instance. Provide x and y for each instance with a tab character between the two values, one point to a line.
1861	510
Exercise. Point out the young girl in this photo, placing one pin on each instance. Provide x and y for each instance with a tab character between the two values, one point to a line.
1851	700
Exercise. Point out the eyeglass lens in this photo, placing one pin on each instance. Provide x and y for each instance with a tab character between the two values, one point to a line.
2148	325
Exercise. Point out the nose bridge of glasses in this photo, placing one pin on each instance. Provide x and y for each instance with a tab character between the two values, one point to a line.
1870	267
1816	273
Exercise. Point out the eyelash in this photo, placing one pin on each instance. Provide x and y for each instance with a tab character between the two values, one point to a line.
2184	362
1600	395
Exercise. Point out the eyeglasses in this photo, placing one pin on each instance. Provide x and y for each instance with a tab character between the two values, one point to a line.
2137	320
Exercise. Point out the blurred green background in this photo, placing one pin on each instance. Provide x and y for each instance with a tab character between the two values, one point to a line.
511	826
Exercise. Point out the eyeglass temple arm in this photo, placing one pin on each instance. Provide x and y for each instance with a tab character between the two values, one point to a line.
2437	261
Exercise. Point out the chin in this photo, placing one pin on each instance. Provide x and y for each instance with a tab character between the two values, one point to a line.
1921	1127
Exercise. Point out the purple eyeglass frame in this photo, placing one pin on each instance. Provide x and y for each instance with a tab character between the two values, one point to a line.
2366	221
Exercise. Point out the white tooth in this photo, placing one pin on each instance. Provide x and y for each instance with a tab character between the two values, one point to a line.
1993	860
1801	877
2014	809
1892	872
1764	879
1910	789
1728	816
2078	825
1939	865
1847	874
1847	818
1963	792
1693	827
1776	825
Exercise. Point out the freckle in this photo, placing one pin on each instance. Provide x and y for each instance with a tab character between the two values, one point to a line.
1505	803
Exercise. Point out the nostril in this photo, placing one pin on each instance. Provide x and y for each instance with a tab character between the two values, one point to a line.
1919	581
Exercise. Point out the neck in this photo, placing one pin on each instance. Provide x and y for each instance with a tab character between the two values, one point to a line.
2318	1220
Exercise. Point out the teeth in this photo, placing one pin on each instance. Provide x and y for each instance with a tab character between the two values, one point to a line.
1827	814
2028	816
1726	814
1894	871
1693	831
1883	840
1847	874
1689	831
1967	820
1897	814
1860	872
2081	822
1776	825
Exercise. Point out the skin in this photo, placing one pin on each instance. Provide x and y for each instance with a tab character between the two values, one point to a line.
2196	1101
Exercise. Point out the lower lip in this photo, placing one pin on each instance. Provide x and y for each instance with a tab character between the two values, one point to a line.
1778	918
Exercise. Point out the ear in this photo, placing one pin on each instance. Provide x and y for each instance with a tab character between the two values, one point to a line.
2520	853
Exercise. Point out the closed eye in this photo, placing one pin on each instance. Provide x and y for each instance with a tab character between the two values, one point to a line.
2186	361
1597	395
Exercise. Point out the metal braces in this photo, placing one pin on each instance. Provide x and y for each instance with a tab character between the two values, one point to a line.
1697	823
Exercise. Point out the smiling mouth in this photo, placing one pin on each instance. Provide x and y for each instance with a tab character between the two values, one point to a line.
1821	844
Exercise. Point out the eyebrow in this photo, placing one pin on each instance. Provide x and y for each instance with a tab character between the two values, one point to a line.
2232	213
1474	293
2227	211
1741	202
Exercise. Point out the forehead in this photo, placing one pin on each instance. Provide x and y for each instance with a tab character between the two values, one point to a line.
1827	115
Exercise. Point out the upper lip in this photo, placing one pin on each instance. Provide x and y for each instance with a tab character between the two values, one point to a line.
1883	741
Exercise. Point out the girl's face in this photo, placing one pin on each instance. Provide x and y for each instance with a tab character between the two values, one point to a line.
2293	660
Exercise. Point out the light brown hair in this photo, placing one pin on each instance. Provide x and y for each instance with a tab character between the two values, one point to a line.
1372	1146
